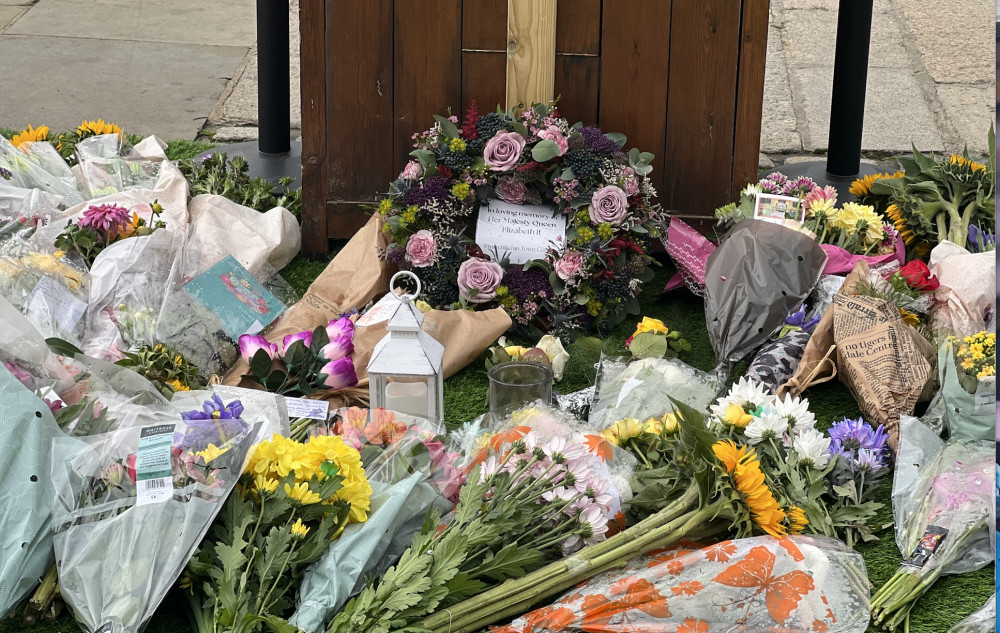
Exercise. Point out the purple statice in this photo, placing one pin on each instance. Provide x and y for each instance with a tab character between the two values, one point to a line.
433	188
5	174
526	284
395	254
851	436
597	141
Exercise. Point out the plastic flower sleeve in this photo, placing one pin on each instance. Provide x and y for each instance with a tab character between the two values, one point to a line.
130	509
29	170
26	491
793	584
982	621
643	389
109	164
964	418
402	496
760	274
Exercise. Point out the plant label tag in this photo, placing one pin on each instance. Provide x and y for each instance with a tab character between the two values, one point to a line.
381	311
52	303
153	469
778	209
521	232
986	396
299	408
929	542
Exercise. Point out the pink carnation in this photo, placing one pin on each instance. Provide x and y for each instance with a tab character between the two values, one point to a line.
420	249
568	265
412	171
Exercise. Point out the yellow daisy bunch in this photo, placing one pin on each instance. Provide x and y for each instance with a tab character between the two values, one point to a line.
977	354
744	471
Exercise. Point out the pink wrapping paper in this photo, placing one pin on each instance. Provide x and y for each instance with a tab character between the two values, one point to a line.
840	262
689	250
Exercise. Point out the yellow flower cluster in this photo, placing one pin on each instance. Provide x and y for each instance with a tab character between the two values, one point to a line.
461	190
651	325
30	135
44	263
604	231
275	459
385	206
410	214
748	479
628	428
457	145
977	354
95	128
859	217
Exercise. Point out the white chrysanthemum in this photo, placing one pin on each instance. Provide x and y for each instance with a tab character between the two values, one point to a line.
795	411
767	425
746	394
813	448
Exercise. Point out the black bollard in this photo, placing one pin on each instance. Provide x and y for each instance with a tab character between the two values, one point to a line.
850	76
273	112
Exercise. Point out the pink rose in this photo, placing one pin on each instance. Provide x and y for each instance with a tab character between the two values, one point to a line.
503	150
553	134
420	249
480	276
412	171
568	265
511	189
609	204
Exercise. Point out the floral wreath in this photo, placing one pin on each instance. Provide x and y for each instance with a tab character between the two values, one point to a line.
589	280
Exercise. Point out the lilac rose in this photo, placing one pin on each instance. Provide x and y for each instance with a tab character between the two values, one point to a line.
481	276
568	265
511	189
338	374
503	150
305	336
420	249
609	204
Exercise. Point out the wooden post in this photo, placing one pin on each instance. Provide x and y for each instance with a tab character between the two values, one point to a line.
531	51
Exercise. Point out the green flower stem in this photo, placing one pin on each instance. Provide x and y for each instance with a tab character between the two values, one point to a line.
516	596
264	607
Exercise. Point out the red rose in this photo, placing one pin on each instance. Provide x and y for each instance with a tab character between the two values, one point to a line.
919	277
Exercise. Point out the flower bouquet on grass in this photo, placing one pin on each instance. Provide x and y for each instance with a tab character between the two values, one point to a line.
292	500
942	527
587	278
131	507
967	374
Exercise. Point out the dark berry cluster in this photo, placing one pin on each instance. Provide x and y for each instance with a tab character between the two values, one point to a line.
458	161
584	164
439	289
489	124
615	288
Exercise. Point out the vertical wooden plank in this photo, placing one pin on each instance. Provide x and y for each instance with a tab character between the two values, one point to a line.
483	25
578	27
483	79
576	83
749	94
359	83
635	49
427	70
312	52
531	37
700	107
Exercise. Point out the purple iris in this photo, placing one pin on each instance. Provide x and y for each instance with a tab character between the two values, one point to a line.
214	424
214	409
798	319
980	240
849	437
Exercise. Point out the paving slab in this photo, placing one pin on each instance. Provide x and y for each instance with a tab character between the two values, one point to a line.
970	109
146	87
895	113
199	22
810	37
17	3
953	38
779	125
7	15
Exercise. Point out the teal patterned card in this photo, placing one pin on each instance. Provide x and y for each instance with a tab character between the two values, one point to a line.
242	304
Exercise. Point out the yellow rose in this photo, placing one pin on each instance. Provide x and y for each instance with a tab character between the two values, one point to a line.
651	325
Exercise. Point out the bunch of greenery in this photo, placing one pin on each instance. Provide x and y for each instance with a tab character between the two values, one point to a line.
230	177
165	367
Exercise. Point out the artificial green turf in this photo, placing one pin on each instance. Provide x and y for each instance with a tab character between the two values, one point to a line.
950	600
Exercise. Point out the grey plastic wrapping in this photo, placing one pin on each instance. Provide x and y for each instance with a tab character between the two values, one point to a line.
401	498
109	164
643	388
117	559
578	402
760	274
26	491
36	169
777	361
982	621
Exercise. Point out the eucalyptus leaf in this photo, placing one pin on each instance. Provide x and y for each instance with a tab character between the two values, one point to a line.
617	137
544	150
447	126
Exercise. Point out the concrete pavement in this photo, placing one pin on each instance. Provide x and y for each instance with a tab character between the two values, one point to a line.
177	68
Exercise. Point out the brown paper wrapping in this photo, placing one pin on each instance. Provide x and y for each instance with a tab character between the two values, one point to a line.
354	278
886	364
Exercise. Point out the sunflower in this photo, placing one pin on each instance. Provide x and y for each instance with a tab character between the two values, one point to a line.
96	128
900	224
909	317
863	186
30	135
962	161
798	520
748	479
176	385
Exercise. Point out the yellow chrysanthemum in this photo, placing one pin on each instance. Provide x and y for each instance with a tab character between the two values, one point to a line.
265	485
849	216
95	128
176	385
736	416
302	494
211	452
30	135
798	520
299	529
962	161
622	430
988	370
651	325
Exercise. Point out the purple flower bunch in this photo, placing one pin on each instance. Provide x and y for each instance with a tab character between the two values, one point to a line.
305	362
216	423
981	240
781	185
861	445
798	319
561	474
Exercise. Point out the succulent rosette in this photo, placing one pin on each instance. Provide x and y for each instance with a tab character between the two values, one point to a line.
589	281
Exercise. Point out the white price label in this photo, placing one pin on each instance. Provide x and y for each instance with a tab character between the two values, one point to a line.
154	475
986	396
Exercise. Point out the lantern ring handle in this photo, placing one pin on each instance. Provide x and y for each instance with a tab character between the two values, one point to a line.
405	298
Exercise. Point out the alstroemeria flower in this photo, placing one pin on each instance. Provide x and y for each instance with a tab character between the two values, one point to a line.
250	344
338	347
338	374
305	336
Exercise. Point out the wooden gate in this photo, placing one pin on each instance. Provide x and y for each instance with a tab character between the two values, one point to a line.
682	79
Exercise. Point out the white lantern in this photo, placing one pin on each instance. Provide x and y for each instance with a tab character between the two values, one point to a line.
404	372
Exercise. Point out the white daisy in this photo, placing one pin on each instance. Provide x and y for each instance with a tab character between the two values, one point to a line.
796	412
746	394
813	448
766	426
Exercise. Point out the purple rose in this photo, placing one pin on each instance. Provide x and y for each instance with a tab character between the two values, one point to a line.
420	249
306	337
337	348
503	150
511	189
568	265
340	327
412	171
553	134
480	276
609	204
338	374
250	345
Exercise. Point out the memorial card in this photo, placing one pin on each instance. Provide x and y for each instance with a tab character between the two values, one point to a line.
520	232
